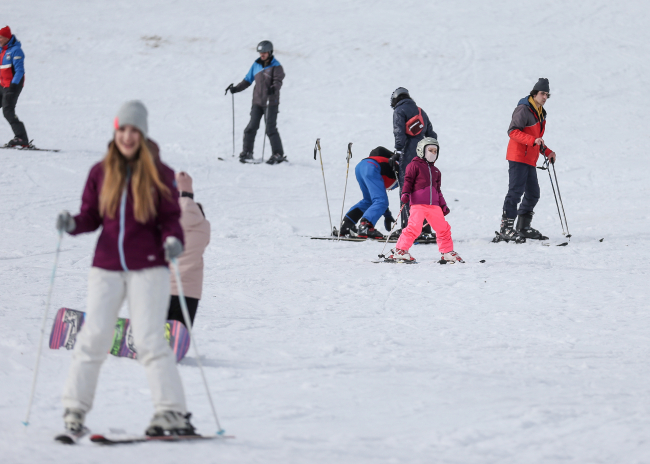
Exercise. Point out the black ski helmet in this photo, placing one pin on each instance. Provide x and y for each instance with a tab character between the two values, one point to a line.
394	96
265	46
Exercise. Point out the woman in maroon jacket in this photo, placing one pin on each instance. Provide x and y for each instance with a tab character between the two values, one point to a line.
132	196
422	190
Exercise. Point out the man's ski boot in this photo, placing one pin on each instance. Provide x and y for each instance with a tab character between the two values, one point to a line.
400	256
524	229
246	157
276	158
367	230
18	142
508	232
396	234
451	257
170	423
348	228
74	426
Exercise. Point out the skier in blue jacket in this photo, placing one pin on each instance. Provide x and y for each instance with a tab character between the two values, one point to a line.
12	79
267	73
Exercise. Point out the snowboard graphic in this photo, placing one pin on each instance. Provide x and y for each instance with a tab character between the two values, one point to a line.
68	323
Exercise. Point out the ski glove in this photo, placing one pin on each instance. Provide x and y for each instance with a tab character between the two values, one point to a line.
271	90
405	198
394	161
231	87
173	248
388	219
65	222
445	210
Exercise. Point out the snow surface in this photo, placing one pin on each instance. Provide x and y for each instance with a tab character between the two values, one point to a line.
313	353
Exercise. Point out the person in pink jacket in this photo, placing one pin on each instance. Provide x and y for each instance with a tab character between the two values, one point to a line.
422	190
196	229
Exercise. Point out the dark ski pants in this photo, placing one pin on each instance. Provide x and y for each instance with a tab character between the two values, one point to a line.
522	181
175	312
257	112
375	201
9	98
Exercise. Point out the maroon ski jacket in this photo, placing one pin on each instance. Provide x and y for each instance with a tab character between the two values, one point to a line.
422	183
125	244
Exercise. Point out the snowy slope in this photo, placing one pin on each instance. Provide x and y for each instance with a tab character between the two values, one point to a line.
313	353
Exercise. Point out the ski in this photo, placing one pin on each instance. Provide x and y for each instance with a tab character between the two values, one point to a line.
29	148
69	438
103	440
361	239
395	261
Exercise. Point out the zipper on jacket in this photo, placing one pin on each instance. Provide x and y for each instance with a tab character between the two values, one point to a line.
120	238
430	186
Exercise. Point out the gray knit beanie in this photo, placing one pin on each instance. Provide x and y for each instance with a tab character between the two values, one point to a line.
542	85
132	113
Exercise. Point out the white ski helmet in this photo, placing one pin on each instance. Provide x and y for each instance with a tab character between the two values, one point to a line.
422	145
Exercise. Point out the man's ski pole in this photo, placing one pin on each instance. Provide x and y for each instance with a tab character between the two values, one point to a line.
188	324
317	147
266	112
40	342
546	168
568	234
348	157
391	232
233	117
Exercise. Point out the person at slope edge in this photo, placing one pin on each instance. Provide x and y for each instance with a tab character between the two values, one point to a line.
410	125
375	176
12	80
196	230
133	198
421	190
526	131
267	73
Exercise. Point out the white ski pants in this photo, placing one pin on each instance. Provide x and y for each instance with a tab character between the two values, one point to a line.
147	293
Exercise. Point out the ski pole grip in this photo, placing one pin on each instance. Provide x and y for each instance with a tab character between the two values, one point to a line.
349	155
316	147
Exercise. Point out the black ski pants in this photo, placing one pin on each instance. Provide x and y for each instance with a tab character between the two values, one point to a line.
522	181
9	98
175	312
257	112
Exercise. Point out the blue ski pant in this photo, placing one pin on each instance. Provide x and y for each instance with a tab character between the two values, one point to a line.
375	200
522	181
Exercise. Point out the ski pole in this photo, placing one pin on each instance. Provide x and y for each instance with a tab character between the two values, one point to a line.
568	234
266	112
233	124
317	146
40	342
391	232
545	168
348	157
188	324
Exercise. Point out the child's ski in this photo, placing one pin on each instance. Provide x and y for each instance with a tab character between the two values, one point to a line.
31	147
70	438
102	440
395	261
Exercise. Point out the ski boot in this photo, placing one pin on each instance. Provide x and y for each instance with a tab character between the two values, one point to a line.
18	142
524	229
400	256
276	158
451	257
74	426
367	230
508	232
246	157
170	423
396	234
348	228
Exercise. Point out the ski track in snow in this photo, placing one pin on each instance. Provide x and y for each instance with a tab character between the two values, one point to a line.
313	353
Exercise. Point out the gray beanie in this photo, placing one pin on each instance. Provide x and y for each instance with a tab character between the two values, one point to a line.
542	85
132	113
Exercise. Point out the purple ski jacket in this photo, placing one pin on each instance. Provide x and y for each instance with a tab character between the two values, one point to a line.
125	244
422	183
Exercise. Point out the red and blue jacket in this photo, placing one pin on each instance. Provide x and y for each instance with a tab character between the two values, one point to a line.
381	155
526	126
12	63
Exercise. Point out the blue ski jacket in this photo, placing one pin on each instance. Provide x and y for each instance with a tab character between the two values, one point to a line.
12	63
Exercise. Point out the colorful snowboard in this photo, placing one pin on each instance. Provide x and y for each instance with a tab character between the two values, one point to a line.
68	323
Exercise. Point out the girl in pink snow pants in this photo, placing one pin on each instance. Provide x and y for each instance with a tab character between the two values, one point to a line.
422	190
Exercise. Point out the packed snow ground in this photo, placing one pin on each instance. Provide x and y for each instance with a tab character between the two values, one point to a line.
313	353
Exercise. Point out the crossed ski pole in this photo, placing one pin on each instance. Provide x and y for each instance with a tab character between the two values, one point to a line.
348	157
545	167
317	147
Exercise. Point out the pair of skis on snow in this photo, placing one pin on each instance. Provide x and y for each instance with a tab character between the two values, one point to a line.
30	147
73	438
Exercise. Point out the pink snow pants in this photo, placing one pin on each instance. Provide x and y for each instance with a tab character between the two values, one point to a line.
433	214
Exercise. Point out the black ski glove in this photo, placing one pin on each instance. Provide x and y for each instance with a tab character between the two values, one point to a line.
271	90
445	210
388	220
394	161
230	87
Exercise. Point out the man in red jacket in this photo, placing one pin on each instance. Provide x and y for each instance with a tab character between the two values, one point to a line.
526	143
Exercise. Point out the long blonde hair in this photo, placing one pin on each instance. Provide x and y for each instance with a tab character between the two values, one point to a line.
144	177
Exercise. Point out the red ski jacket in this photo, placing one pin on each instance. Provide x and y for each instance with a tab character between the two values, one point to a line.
524	129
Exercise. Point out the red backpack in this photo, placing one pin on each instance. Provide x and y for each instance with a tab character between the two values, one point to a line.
415	125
